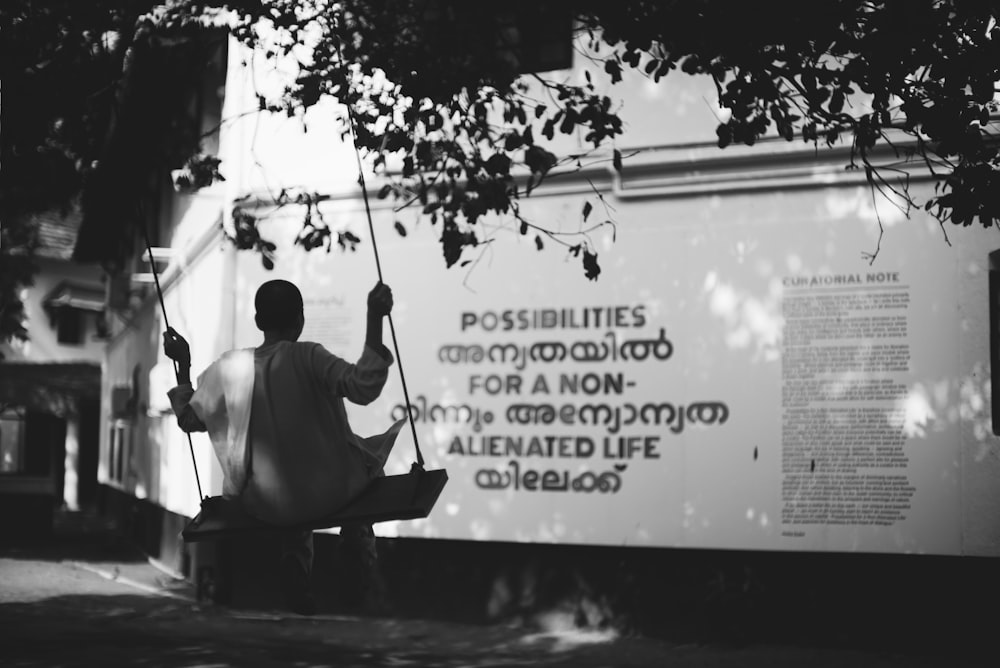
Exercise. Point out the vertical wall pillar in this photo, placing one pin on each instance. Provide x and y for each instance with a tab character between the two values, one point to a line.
994	262
71	463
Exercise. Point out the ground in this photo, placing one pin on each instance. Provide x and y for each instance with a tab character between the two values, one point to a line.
89	599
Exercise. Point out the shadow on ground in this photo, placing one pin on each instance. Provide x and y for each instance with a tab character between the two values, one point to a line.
75	537
135	630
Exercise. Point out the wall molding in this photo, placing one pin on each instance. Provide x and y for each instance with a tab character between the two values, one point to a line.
690	170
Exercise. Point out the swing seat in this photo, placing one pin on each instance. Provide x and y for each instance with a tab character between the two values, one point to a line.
408	496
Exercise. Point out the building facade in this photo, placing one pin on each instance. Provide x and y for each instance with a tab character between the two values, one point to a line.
774	359
50	385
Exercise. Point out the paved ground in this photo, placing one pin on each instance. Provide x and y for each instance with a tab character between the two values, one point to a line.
92	601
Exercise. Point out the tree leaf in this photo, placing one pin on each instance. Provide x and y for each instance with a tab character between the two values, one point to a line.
451	243
498	164
568	121
614	69
725	135
538	160
399	228
837	102
549	129
513	141
616	160
587	208
591	268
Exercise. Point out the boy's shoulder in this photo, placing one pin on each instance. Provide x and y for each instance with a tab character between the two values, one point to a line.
309	348
236	352
234	355
308	345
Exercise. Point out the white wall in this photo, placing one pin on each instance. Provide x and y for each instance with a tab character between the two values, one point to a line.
709	271
198	299
706	255
43	344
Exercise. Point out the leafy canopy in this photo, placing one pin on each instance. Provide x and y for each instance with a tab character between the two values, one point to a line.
437	89
440	102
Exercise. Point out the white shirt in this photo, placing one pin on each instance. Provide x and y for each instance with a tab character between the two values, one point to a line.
286	402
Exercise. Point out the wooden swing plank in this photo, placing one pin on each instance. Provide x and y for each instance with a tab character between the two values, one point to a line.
408	496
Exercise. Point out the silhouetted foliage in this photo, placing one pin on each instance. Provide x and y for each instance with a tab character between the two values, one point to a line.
17	271
435	86
60	62
440	104
919	77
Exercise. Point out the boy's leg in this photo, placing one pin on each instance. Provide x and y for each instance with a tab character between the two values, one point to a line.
359	563
296	570
361	582
359	541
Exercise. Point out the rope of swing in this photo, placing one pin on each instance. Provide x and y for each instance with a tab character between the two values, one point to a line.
378	266
166	325
419	464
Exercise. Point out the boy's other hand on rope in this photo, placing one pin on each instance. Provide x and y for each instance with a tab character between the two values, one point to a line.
379	306
380	300
176	347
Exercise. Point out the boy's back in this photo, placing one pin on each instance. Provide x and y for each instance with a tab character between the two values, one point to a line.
305	460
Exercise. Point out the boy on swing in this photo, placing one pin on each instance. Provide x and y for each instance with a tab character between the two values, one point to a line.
277	421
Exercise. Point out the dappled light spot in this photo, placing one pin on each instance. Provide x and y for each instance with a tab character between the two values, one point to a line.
570	639
917	413
500	599
793	263
688	515
479	529
722	301
751	322
887	207
496	506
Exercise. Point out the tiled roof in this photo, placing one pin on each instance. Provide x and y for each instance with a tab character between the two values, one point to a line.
57	232
75	295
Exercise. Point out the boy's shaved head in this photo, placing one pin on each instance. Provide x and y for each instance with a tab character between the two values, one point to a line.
279	305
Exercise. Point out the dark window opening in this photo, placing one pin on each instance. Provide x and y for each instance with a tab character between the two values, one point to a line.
116	450
32	443
69	326
11	441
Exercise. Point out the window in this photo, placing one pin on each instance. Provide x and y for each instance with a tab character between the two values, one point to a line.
32	443
69	326
12	441
118	441
71	307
